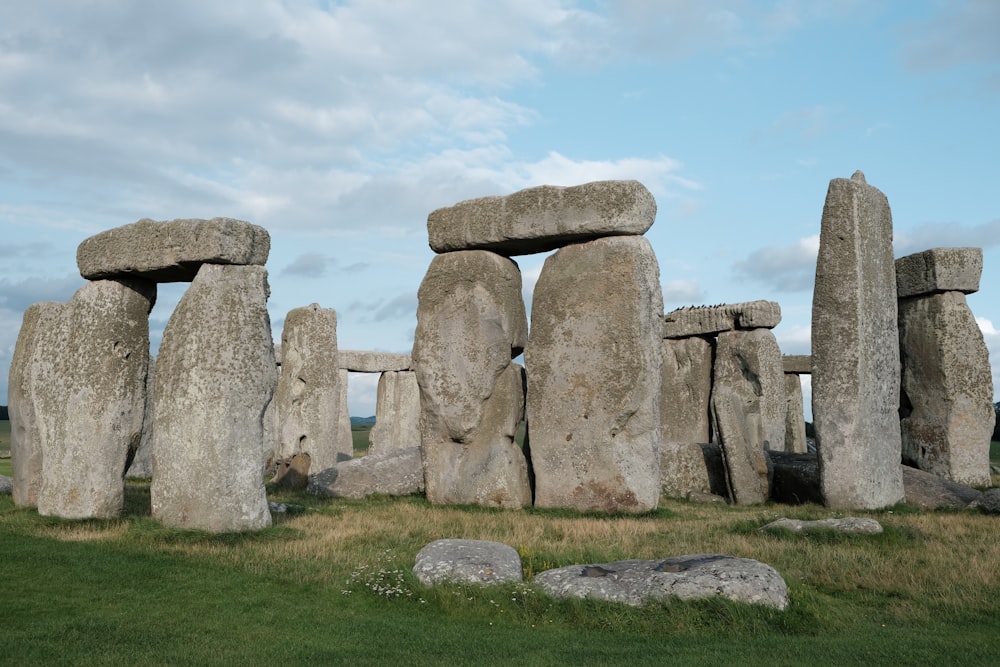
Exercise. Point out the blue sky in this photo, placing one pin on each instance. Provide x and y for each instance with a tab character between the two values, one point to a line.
339	126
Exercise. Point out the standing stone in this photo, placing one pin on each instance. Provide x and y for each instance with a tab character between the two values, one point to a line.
215	375
39	342
308	395
855	350
345	439
749	364
739	425
470	324
397	413
141	465
795	420
95	403
947	392
593	359
686	386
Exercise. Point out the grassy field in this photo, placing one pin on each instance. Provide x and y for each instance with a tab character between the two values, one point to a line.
331	584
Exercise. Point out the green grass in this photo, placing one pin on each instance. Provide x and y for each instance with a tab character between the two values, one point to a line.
131	591
359	435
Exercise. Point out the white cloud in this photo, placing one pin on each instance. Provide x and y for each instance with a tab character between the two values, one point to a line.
682	291
945	234
794	339
788	268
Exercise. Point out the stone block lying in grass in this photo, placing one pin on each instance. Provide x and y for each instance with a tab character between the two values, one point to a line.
849	524
467	561
691	577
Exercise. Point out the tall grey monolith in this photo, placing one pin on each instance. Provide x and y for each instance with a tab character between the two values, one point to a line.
141	465
686	388
94	406
946	397
215	375
308	398
41	338
593	362
749	364
795	420
397	413
470	324
855	350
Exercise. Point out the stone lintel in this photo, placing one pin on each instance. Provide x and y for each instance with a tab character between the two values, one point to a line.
702	320
171	251
939	270
797	364
543	218
357	361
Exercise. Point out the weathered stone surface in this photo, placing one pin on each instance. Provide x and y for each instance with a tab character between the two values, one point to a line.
682	469
543	218
749	364
939	270
691	577
308	397
395	473
94	406
32	368
141	464
470	324
799	364
467	561
6	484
795	420
594	361
702	320
988	502
397	413
685	390
171	251
215	375
946	394
292	473
359	361
743	455
855	350
345	439
928	491
847	524
794	478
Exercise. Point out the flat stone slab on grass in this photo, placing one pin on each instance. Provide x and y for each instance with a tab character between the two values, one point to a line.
6	484
543	218
849	524
691	577
702	320
394	473
988	502
171	251
467	561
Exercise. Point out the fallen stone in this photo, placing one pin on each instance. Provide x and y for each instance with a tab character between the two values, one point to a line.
702	320
393	473
173	251
988	502
6	484
691	577
593	357
543	218
358	361
939	270
946	390
855	350
703	497
292	473
929	491
215	375
467	561
795	478
849	524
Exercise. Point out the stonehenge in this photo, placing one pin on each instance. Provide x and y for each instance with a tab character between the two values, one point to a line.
620	403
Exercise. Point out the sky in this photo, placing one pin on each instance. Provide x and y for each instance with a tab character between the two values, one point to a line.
339	126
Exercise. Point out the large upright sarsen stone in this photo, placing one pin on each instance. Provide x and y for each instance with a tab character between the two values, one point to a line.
855	350
470	324
749	364
686	389
593	361
215	375
94	405
308	398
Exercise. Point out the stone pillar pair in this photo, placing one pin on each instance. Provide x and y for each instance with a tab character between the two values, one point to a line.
592	357
79	381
